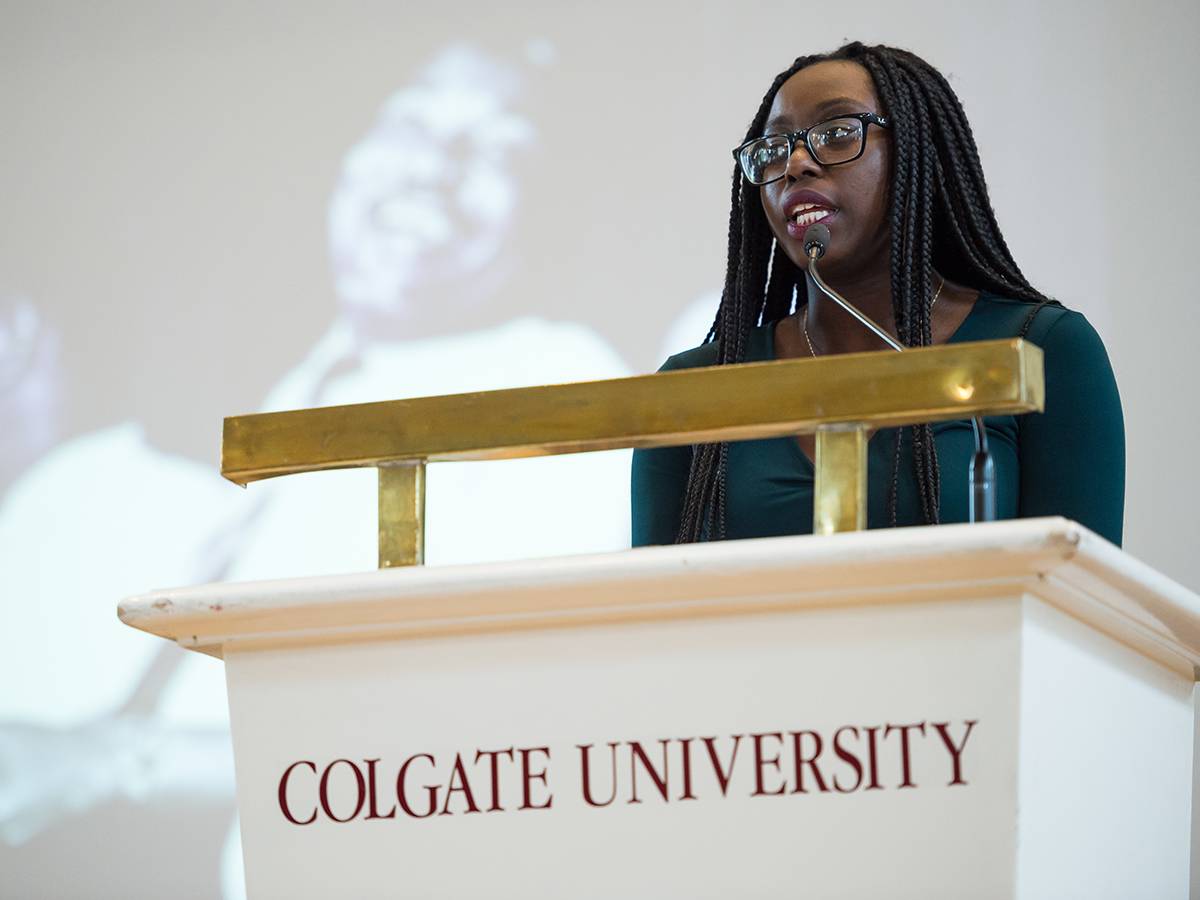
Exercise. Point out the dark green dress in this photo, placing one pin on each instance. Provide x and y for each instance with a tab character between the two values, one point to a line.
1068	461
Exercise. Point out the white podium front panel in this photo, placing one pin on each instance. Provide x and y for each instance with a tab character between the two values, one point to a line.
984	711
749	753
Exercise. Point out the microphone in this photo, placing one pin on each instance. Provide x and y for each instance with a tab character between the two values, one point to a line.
982	505
816	239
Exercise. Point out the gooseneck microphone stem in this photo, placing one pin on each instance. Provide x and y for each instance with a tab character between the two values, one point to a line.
982	505
844	304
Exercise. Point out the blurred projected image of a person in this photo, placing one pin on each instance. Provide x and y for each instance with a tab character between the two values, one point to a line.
420	219
420	238
420	227
872	142
84	522
420	233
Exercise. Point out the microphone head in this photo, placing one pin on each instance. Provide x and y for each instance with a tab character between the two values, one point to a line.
816	241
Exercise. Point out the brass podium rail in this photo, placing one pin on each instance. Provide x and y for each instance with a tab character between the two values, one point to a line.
841	398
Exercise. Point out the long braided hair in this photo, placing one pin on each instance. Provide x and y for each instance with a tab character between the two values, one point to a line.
940	218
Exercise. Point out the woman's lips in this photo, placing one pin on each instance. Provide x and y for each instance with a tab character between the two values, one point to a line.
803	208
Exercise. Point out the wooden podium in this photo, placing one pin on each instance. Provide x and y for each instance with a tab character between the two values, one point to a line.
994	710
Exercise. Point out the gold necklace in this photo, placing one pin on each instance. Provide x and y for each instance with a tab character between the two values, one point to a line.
804	318
804	328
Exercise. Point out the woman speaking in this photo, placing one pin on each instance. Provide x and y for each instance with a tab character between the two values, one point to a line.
872	142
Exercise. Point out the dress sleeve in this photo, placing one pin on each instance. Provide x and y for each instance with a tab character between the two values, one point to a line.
657	485
1072	456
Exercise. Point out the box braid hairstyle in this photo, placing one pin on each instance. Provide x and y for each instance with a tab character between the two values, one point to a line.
941	218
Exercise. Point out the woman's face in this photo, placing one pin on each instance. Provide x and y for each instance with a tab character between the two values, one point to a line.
415	206
850	199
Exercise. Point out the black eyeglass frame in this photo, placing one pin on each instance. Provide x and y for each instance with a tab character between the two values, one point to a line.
801	137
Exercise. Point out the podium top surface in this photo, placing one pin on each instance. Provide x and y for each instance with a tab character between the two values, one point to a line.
1054	559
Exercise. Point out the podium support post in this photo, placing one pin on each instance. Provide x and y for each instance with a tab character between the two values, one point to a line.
402	513
840	491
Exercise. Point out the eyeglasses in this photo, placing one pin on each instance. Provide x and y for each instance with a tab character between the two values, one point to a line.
830	143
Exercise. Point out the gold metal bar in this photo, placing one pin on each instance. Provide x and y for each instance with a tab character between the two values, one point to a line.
402	514
752	400
840	492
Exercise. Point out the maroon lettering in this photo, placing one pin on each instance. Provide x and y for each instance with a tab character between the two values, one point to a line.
527	777
760	761
809	761
494	768
372	793
458	784
844	760
283	804
847	757
584	751
685	751
872	759
360	785
905	762
636	753
402	788
723	775
955	750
